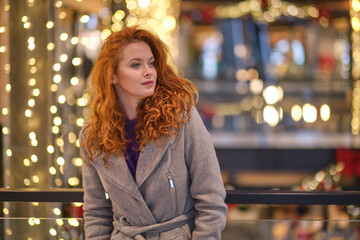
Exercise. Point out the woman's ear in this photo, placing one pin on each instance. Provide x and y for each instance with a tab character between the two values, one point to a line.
114	79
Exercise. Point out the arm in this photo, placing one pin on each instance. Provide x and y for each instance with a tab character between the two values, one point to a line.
207	187
98	214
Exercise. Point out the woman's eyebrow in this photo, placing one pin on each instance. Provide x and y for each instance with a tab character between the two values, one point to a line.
140	59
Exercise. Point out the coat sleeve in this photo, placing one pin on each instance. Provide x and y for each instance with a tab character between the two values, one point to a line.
98	215
207	187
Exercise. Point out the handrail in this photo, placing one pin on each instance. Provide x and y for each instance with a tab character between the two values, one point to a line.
279	197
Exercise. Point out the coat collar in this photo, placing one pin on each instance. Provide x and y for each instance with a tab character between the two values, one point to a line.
150	157
118	172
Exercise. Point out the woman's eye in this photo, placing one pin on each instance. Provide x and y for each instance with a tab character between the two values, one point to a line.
152	63
135	65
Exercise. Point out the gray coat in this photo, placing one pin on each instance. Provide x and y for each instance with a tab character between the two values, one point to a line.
178	192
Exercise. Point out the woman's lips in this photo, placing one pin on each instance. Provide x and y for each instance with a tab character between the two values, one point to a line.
148	83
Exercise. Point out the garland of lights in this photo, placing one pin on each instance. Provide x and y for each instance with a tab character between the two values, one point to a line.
355	39
269	11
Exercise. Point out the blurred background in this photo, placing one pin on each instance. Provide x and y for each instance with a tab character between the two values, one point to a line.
279	92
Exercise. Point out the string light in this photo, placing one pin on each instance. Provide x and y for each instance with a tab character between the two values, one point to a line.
274	10
355	37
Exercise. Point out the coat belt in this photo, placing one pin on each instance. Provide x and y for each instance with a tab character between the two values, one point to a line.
154	229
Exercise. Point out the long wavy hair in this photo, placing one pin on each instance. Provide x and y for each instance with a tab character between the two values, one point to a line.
161	114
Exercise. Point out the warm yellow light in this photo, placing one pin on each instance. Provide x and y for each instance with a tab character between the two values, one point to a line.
50	46
63	57
5	211
8	152
26	25
2	29
309	113
53	87
27	182
131	4
36	179
36	92
62	15
118	16
24	19
53	109
355	5
31	46
57	211
50	149
80	122
34	142
8	87
55	129
37	221
52	232
5	111
74	40
73	222
355	23
57	121
144	3
31	221
76	61
32	135
34	158
271	94
26	162
64	36
256	86
32	82
28	113
271	116
5	130
296	113
57	78
325	112
105	33
73	181
84	18
60	142
57	67
59	222
169	23
81	102
7	68
74	81
77	162
50	24
31	102
60	161
61	99
2	49
52	170
72	137
58	4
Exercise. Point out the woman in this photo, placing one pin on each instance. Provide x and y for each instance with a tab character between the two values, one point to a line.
150	169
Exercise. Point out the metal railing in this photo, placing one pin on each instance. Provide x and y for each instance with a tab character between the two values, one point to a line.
233	196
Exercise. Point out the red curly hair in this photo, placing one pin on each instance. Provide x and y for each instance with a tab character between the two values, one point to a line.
161	114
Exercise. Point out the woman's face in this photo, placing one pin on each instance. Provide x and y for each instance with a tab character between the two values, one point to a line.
135	76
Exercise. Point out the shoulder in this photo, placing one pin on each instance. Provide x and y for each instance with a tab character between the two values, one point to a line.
83	131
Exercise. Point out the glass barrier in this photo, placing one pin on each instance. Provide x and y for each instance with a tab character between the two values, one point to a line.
252	229
33	228
291	229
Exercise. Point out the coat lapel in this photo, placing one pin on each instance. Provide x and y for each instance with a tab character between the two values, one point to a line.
118	173
149	158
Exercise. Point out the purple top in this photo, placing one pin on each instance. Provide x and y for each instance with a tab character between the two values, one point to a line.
131	154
